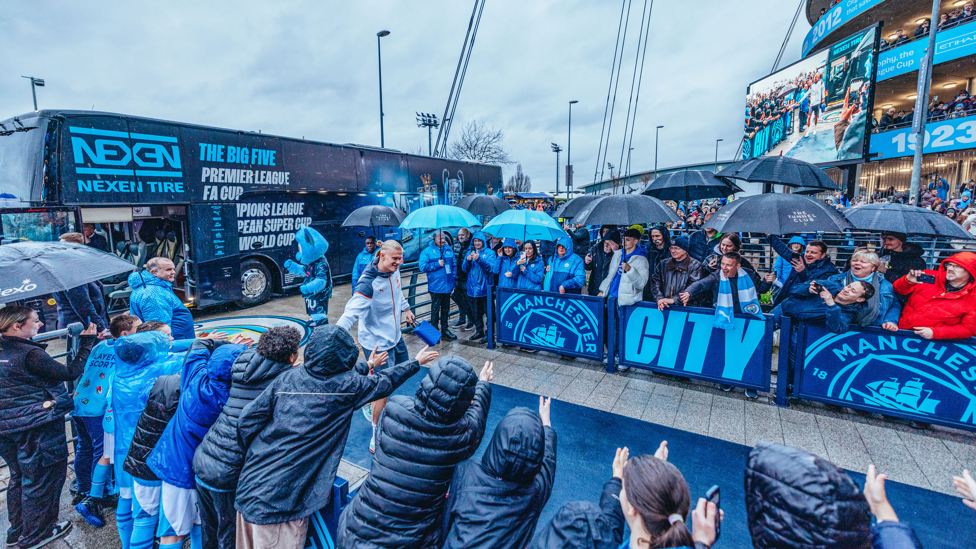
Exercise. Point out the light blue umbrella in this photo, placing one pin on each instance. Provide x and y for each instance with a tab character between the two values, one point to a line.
524	225
439	217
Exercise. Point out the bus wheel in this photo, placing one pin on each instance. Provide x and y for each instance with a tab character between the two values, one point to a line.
255	283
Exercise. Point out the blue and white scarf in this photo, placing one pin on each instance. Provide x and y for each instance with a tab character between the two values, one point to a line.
748	300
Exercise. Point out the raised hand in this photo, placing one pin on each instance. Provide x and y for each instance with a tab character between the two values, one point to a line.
874	492
91	330
426	356
619	461
488	372
966	487
662	451
377	360
544	410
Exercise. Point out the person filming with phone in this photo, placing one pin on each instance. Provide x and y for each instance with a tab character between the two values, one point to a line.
941	304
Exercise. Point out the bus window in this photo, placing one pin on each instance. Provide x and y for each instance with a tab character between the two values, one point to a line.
38	226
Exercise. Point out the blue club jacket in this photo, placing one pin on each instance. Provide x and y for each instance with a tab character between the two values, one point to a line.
204	388
153	299
567	271
358	266
480	271
533	275
440	279
505	264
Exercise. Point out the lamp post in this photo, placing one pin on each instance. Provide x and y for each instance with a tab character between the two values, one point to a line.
557	149
428	121
379	58
569	151
716	154
35	82
656	131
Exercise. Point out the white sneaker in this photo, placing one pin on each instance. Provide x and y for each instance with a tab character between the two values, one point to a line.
368	412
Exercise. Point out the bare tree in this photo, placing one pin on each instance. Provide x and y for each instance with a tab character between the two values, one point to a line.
480	143
518	183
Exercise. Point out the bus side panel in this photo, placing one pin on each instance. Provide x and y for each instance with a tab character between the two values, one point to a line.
216	267
319	167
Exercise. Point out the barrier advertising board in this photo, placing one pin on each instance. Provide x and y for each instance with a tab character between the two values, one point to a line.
565	324
897	374
683	342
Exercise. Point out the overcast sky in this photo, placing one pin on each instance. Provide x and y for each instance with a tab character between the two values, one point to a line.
309	69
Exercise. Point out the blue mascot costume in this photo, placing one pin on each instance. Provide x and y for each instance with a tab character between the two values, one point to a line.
312	264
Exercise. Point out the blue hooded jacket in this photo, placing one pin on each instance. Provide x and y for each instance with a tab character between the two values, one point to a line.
480	271
142	357
92	391
782	266
358	266
505	264
152	298
204	387
533	276
567	271
312	264
440	280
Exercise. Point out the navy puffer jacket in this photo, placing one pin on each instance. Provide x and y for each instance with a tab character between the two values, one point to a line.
419	443
219	458
795	499
582	525
495	502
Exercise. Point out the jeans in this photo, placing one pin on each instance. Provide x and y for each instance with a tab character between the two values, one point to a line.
38	464
440	311
218	518
89	449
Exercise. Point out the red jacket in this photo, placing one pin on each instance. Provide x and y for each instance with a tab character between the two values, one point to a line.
950	315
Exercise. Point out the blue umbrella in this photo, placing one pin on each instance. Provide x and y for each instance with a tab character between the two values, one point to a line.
525	225
439	217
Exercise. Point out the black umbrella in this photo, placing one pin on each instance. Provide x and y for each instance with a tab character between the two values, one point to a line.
777	213
902	218
483	204
375	216
781	170
572	208
31	269
690	185
626	209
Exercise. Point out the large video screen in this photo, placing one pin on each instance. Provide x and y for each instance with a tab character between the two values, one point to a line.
817	109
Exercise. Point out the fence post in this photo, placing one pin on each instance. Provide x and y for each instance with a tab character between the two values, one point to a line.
784	377
491	316
611	334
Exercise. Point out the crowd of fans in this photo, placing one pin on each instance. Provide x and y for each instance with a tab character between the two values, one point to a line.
963	105
947	20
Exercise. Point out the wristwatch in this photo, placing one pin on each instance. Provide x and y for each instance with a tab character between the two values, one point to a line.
370	363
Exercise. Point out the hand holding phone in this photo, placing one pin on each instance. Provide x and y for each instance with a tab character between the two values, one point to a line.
926	279
713	496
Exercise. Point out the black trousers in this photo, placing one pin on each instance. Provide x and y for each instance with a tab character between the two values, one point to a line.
218	518
478	307
38	462
460	296
440	311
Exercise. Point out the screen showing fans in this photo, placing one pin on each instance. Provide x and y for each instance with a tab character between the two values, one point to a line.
817	109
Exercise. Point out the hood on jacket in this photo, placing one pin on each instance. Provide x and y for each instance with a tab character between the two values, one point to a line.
138	350
141	279
221	361
566	242
908	249
446	391
479	236
667	238
796	499
966	260
510	243
257	368
330	350
578	525
311	245
517	447
796	240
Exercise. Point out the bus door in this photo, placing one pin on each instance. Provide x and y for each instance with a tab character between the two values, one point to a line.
215	260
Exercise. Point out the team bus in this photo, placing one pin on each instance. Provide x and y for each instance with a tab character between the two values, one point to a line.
224	205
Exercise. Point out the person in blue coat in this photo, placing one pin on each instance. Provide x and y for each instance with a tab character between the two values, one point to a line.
565	273
479	263
152	298
317	289
782	266
437	260
204	387
363	259
506	267
532	269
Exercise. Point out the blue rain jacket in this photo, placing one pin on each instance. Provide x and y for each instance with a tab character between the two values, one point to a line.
153	299
358	266
533	276
440	279
480	271
505	264
566	271
204	387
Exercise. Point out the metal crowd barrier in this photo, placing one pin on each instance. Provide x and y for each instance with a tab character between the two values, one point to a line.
418	296
891	373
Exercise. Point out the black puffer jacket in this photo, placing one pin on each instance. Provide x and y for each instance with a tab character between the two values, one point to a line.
599	265
218	459
419	442
582	525
899	263
29	378
294	432
495	502
161	406
795	499
461	276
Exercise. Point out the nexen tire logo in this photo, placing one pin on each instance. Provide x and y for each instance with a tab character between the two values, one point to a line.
153	155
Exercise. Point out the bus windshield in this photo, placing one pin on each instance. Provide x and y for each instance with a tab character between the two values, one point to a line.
36	226
21	157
